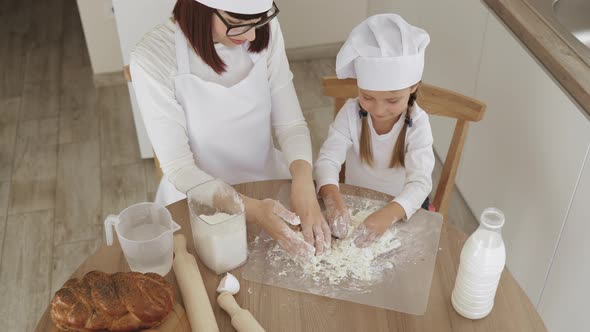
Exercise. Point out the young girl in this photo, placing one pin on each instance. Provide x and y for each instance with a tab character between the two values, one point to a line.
383	135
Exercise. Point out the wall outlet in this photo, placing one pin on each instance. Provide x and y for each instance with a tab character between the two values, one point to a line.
109	10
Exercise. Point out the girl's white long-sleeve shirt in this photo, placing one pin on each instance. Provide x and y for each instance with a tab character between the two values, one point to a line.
153	69
410	185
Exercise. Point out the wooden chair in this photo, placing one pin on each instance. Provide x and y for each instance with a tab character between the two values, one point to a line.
127	74
435	101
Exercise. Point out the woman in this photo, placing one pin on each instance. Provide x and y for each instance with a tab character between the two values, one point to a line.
212	84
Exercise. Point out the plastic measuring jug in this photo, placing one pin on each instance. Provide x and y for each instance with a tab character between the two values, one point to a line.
145	233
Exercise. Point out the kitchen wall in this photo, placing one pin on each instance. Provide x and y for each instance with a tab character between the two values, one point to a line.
380	6
101	36
308	23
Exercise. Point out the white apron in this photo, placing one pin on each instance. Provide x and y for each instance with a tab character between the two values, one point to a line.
229	128
386	180
378	177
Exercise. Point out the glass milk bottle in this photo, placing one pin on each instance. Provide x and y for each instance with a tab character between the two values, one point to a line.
218	223
481	265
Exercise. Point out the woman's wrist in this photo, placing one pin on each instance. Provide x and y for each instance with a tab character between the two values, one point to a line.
329	190
301	171
251	208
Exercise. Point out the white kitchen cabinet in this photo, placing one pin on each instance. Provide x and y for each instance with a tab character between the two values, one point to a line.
100	34
134	19
137	17
564	302
453	56
526	155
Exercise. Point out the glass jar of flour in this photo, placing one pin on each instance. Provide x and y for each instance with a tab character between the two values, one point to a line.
218	223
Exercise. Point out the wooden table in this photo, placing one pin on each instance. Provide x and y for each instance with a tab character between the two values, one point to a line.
279	309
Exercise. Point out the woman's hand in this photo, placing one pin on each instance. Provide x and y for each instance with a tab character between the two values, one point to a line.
272	217
377	223
337	212
305	204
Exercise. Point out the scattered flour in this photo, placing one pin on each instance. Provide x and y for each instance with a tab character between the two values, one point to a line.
345	261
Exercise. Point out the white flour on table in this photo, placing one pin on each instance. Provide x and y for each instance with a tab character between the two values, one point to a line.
345	261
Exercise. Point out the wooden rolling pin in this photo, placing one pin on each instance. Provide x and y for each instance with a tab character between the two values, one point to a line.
196	302
241	319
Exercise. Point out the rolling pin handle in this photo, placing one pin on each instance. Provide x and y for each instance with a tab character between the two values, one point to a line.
179	243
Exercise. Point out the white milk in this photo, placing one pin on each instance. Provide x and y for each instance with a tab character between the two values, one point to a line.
145	232
160	264
482	261
221	241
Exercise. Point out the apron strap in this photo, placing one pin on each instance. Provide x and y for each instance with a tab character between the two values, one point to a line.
181	52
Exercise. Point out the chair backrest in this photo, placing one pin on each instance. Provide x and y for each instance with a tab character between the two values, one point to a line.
127	74
435	101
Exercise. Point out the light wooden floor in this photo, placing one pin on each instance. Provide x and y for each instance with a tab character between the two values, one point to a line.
69	155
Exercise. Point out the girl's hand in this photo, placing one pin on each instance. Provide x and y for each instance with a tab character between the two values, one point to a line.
336	210
377	223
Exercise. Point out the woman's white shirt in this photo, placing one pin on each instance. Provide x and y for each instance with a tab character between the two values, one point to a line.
153	69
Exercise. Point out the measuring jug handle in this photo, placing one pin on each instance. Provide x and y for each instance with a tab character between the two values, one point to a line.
109	222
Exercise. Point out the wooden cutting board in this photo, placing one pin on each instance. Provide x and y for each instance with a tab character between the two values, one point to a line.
177	321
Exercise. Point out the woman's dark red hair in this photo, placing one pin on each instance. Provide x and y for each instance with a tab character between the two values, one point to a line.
196	22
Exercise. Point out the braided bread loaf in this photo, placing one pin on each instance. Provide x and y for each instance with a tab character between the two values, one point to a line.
124	301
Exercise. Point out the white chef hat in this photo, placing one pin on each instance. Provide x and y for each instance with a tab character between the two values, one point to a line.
384	53
239	6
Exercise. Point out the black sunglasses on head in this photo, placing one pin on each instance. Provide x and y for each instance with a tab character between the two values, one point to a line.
234	30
